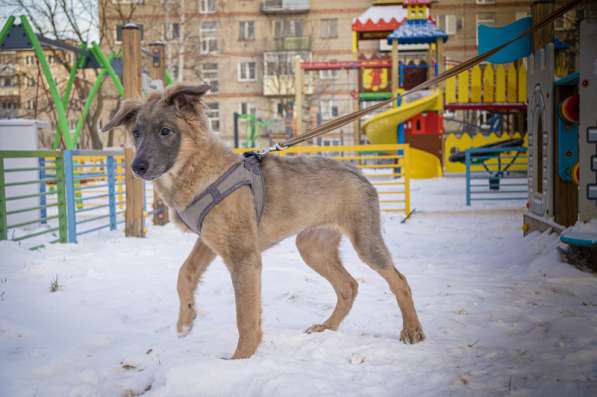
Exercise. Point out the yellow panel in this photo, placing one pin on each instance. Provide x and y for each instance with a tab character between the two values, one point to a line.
463	87
512	84
476	84
488	84
451	90
500	84
522	83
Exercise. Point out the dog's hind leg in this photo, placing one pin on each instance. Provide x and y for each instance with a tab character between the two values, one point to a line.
369	245
188	278
319	248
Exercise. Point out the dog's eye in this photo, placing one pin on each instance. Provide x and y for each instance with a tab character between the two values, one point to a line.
136	133
165	131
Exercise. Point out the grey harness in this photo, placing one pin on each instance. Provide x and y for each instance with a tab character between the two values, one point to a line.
244	173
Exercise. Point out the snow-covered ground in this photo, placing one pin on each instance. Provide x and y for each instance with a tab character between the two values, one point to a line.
502	315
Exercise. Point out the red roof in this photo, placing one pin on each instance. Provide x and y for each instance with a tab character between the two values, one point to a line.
379	19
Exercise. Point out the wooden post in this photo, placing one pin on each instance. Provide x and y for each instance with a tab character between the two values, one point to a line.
298	96
395	67
157	70
131	76
430	62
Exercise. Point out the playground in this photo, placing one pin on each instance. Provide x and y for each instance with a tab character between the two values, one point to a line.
485	171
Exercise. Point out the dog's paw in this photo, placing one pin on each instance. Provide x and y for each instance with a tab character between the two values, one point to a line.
316	328
183	330
412	335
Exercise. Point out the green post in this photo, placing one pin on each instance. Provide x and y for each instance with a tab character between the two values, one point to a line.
60	112
3	224
78	64
168	78
107	65
6	28
89	101
61	193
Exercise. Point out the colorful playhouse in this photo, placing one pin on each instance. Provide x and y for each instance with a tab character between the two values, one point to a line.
562	180
416	120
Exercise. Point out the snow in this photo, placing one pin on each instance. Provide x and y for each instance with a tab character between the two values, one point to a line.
502	315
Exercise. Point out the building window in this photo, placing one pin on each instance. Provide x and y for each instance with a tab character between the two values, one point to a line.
7	82
328	109
30	60
288	28
330	74
118	32
484	19
330	142
248	108
246	30
449	23
247	71
209	74
212	112
284	109
209	37
30	104
173	31
30	81
329	28
207	6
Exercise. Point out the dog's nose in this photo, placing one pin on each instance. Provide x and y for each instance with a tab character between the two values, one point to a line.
140	167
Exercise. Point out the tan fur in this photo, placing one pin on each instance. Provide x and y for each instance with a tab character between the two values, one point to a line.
317	198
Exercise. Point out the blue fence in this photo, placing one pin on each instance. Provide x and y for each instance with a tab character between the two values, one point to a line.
496	174
65	194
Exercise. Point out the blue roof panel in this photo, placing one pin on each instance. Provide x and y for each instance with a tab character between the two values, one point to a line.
417	31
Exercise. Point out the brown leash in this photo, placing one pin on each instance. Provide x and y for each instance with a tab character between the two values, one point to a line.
350	117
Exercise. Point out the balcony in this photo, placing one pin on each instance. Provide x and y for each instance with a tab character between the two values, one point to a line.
292	44
9	91
283	85
284	6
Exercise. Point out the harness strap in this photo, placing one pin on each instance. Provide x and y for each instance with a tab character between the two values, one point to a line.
244	173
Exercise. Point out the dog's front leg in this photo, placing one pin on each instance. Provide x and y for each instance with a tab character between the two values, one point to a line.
188	278
245	271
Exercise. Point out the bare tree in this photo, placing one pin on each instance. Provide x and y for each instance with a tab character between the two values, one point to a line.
71	21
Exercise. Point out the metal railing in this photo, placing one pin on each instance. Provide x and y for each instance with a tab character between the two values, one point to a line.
496	174
57	196
68	194
28	209
386	167
284	6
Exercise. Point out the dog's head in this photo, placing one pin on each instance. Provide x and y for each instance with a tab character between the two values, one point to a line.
163	128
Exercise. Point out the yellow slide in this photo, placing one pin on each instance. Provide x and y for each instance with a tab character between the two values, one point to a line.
381	129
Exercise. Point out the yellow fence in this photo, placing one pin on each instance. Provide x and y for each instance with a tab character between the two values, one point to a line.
488	84
454	143
386	166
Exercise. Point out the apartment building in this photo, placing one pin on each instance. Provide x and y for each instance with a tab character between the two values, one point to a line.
460	19
245	50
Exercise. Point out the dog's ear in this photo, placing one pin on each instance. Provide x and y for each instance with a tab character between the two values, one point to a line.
125	114
185	97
